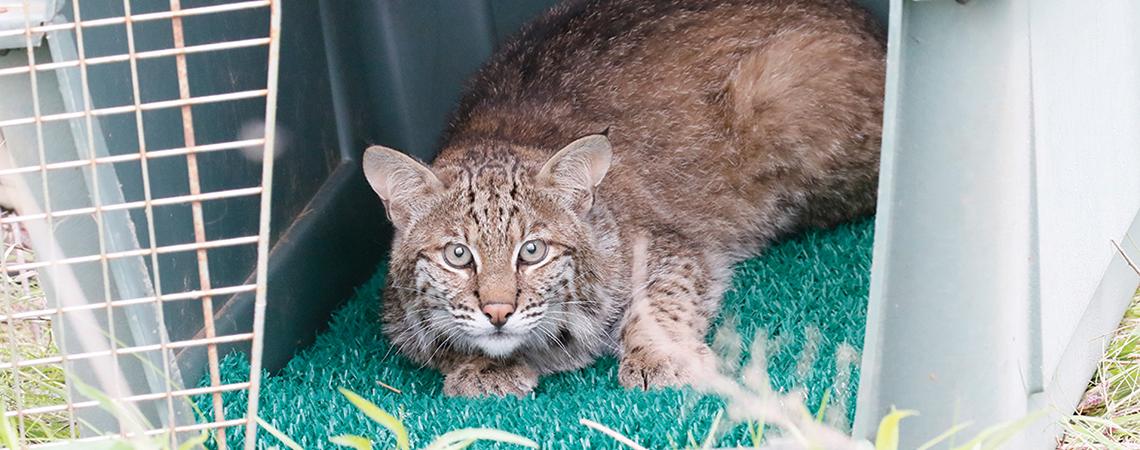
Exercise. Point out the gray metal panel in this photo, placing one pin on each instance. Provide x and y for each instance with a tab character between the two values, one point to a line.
1091	329
1086	98
987	154
949	319
1086	95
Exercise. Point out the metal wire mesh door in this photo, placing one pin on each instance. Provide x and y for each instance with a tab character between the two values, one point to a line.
136	161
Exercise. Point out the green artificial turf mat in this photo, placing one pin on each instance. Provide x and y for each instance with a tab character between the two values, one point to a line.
815	281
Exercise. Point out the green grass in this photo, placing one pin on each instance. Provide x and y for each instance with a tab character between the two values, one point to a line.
24	339
1109	414
37	386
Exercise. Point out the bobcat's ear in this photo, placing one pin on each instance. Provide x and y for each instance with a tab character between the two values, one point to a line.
404	184
576	170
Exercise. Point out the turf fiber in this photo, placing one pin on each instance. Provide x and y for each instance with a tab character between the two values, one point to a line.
812	285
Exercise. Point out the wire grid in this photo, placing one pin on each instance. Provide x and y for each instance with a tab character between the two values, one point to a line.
31	234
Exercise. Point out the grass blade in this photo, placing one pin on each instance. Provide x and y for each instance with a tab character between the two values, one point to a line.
822	406
756	432
117	444
198	441
7	433
611	433
888	435
124	412
993	437
944	436
352	440
459	439
1089	435
289	442
381	417
710	439
1008	431
462	445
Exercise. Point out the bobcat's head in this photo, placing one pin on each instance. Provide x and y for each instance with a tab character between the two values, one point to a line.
493	251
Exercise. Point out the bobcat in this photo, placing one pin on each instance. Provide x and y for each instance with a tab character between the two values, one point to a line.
704	128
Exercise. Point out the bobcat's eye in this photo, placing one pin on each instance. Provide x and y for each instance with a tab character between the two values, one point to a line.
457	255
532	251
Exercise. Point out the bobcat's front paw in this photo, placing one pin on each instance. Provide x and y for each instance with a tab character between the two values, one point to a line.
485	378
648	369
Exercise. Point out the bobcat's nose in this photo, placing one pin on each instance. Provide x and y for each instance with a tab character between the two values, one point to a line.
498	313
